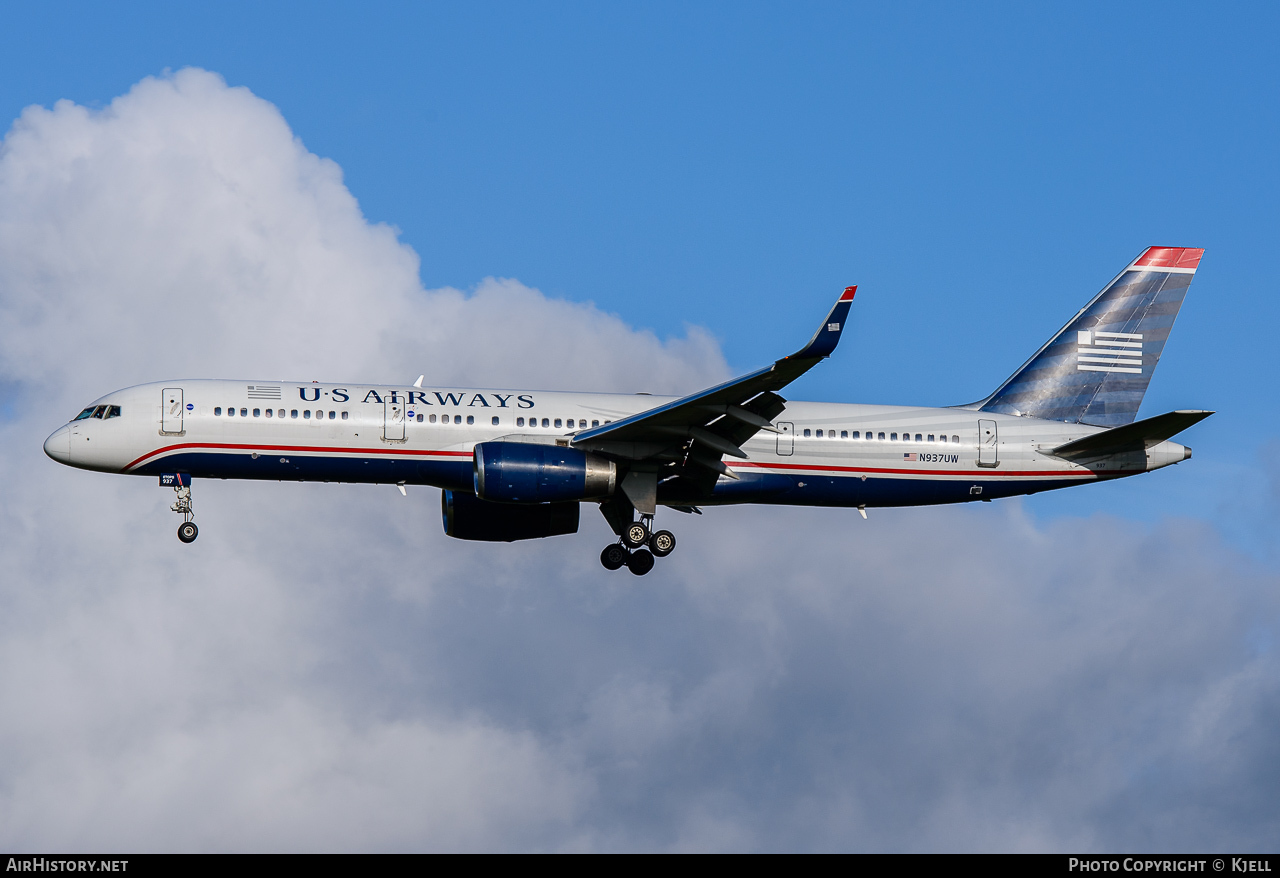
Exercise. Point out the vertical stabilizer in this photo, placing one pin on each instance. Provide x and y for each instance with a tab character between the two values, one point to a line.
1097	368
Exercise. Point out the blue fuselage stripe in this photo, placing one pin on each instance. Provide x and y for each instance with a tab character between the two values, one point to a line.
792	489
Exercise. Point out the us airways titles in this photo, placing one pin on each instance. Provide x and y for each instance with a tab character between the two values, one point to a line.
419	397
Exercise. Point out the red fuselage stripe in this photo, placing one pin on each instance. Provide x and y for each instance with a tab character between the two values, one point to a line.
812	467
395	452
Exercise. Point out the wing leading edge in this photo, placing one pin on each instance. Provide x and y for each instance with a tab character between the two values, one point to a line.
700	428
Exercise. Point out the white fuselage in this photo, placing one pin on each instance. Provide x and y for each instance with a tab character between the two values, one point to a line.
828	454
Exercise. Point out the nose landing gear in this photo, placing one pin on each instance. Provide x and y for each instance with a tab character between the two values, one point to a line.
187	531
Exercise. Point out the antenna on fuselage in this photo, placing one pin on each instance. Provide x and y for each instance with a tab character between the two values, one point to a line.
418	383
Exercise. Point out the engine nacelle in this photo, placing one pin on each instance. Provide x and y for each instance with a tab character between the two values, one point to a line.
523	472
467	517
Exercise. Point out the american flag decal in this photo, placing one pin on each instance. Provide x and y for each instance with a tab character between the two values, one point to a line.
260	391
1109	352
910	455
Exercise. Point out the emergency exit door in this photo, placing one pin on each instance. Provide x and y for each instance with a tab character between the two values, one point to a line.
393	420
171	414
988	444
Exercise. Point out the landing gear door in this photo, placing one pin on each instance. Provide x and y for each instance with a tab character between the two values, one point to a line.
786	438
988	444
171	414
393	420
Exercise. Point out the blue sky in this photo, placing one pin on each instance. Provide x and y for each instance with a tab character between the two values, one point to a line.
980	172
790	679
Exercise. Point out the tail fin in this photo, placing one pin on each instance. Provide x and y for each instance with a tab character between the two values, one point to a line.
1097	368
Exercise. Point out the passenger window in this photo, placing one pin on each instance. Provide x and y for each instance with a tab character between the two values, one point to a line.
942	438
595	423
471	419
344	416
113	411
257	413
495	423
231	412
306	414
557	422
893	437
844	434
857	434
917	437
819	434
432	419
806	432
519	422
217	411
955	438
546	422
293	413
84	414
930	437
881	437
270	413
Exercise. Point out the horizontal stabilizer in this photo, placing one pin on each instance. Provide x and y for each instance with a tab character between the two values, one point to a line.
1139	434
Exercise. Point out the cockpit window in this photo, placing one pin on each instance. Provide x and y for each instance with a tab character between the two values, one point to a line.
84	414
99	411
113	411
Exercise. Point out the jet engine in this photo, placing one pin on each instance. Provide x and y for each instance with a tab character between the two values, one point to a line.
467	517
523	472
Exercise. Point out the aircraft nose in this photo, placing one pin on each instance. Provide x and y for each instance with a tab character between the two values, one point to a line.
58	445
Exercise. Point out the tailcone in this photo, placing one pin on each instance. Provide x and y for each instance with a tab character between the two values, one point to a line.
1165	453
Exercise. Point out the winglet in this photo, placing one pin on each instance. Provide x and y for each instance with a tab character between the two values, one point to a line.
827	337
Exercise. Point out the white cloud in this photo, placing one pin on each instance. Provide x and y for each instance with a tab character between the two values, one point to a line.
323	669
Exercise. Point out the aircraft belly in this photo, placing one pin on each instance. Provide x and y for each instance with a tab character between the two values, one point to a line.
453	473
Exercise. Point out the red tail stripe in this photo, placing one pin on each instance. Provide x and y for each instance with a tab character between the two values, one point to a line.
1171	257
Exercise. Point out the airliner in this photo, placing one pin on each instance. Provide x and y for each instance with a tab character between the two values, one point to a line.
518	464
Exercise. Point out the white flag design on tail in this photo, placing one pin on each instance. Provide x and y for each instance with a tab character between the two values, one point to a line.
1109	352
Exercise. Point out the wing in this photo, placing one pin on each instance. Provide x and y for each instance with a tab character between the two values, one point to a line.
693	433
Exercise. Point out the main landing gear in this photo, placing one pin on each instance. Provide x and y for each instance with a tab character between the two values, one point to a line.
638	546
187	531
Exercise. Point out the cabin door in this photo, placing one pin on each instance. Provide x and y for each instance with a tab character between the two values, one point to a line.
988	443
786	438
393	420
171	415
